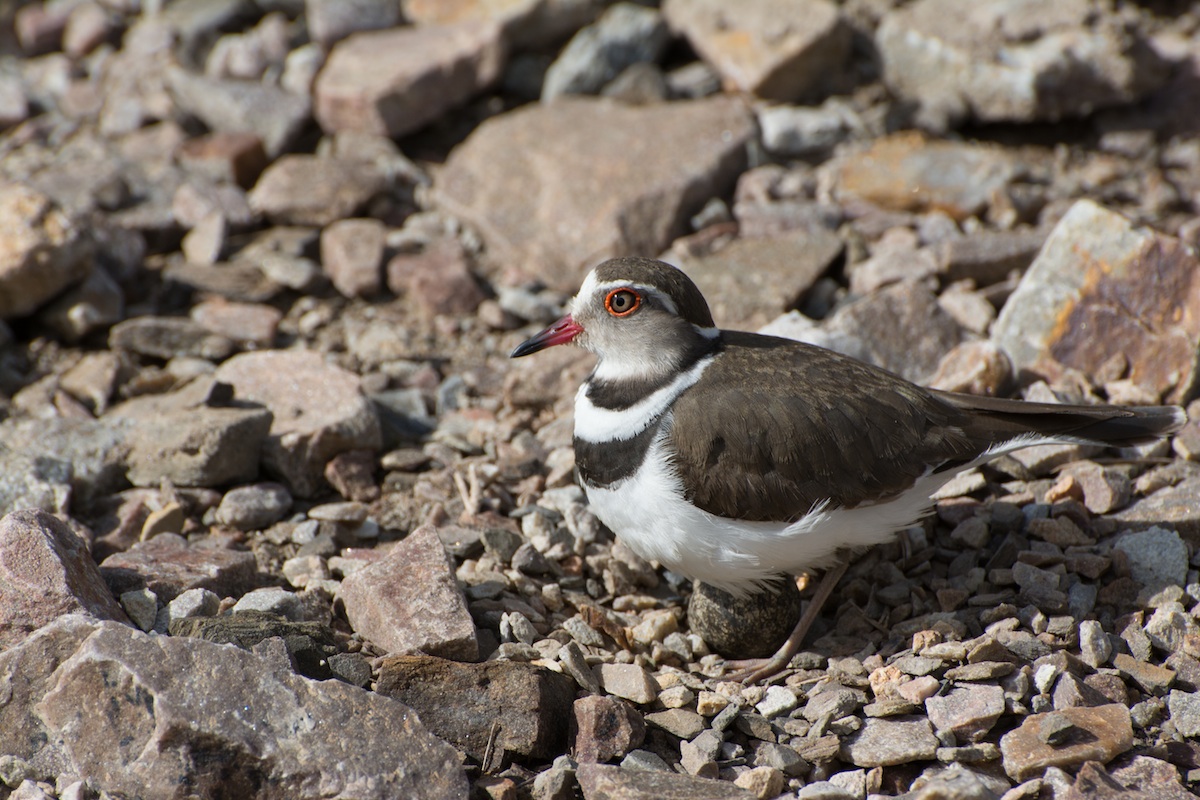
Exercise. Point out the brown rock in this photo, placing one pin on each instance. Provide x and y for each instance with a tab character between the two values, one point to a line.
46	571
352	475
907	172
42	251
776	49
1177	506
319	410
396	81
169	565
410	601
605	728
253	324
607	782
352	256
1151	678
529	706
528	24
1099	280
438	278
1092	734
310	190
973	367
131	712
556	188
987	257
749	282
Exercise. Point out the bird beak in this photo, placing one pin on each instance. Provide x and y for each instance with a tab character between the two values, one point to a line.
560	332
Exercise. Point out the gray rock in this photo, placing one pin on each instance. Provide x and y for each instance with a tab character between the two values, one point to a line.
895	740
624	35
306	645
169	337
409	601
319	410
460	702
1009	60
744	627
1177	506
273	600
130	712
254	507
1157	557
352	256
276	115
800	131
48	573
967	712
1185	712
608	728
42	253
330	21
142	607
301	189
93	305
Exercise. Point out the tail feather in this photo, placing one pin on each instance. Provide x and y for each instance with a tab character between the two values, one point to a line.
993	420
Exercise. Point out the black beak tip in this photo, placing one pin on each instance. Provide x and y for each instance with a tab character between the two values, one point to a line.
523	349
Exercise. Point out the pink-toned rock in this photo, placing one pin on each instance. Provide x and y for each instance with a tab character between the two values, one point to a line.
42	250
438	278
352	256
606	728
1100	280
319	411
39	29
555	188
968	712
46	571
528	24
410	601
352	475
236	157
603	781
87	27
253	324
397	81
776	49
169	565
300	189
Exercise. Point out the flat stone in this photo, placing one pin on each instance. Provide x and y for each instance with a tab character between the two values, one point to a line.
908	172
987	256
131	712
248	324
462	703
300	189
758	52
1004	62
608	782
1152	678
752	281
628	681
396	81
319	411
1157	557
606	728
968	712
168	566
1098	734
168	337
306	645
277	116
1177	506
410	601
678	722
330	21
624	35
352	256
46	571
883	742
1088	286
42	253
524	174
1185	712
254	507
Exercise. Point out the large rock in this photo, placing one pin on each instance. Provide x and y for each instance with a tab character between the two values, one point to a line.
1099	280
319	411
1014	60
462	702
274	114
42	250
396	81
46	571
169	565
604	781
1066	739
776	49
409	601
56	463
556	188
140	715
196	436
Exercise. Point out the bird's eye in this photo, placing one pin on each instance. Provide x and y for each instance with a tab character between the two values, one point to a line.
622	302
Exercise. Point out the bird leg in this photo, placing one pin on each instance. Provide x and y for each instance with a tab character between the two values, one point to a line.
752	670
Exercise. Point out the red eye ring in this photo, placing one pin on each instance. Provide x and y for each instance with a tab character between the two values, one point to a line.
614	302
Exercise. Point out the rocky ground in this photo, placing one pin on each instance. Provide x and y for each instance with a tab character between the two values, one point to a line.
261	262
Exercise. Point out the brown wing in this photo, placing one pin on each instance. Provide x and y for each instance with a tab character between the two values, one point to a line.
837	430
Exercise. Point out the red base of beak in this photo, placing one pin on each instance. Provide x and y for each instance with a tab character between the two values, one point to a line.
561	332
